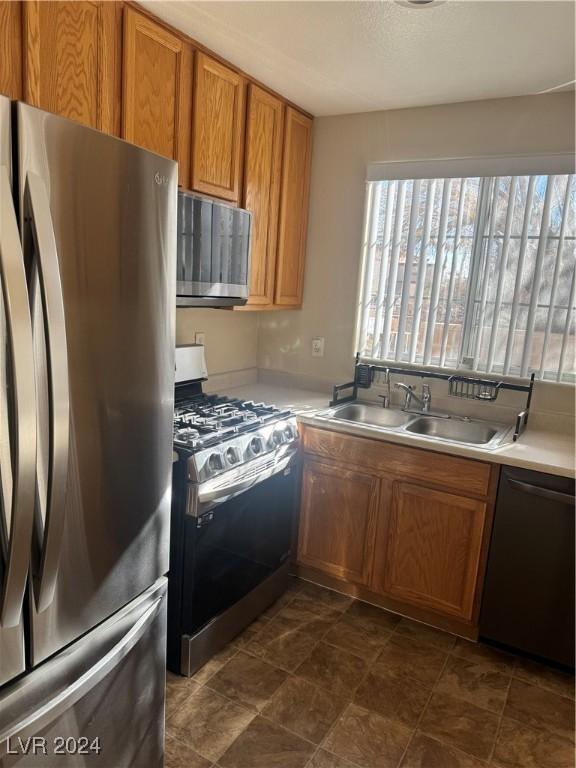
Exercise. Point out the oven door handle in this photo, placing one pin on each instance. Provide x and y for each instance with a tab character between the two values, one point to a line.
211	497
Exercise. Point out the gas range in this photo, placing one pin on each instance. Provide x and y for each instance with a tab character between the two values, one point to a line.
235	490
218	433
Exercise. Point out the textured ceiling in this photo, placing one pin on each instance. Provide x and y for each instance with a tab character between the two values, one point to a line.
341	57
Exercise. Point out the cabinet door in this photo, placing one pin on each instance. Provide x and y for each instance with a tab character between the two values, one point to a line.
218	129
11	49
429	545
157	90
72	60
294	208
263	162
337	521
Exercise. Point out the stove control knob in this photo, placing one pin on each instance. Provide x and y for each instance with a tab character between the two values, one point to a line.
215	462
256	445
232	455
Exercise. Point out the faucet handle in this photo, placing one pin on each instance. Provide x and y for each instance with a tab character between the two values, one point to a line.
426	397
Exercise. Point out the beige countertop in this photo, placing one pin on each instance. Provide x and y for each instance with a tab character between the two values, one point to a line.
538	448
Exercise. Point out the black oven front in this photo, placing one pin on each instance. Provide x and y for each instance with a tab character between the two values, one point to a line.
229	560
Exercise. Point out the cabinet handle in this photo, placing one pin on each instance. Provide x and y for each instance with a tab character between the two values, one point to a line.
545	493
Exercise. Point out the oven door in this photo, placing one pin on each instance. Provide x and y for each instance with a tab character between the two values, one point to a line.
237	544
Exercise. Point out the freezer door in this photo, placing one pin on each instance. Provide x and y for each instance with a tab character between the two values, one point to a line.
99	236
17	420
99	702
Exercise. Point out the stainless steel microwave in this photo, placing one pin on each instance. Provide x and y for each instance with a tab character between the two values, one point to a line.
213	263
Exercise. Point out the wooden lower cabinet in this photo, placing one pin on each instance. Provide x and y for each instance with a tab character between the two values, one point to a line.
337	521
413	540
428	547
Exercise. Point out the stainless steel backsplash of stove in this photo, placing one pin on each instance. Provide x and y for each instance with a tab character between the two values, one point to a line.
235	487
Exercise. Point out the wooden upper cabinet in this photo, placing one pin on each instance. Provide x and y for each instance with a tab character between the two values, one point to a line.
429	547
72	60
157	90
262	168
11	49
294	201
337	521
218	129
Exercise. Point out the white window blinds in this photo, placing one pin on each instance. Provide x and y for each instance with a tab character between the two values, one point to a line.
473	270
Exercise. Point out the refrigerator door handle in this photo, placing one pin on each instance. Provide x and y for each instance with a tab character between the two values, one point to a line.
18	522
58	390
41	717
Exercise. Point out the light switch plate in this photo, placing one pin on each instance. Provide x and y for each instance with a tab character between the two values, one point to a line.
200	338
318	346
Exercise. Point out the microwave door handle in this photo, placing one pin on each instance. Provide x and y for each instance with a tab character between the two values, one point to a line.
19	333
58	390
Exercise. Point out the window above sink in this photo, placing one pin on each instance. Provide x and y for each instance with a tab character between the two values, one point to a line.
472	272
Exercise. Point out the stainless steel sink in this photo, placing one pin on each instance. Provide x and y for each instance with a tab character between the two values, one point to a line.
362	413
446	428
460	431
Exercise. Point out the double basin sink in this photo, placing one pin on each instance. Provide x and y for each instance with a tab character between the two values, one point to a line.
452	429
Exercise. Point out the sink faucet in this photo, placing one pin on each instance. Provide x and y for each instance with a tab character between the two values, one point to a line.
425	401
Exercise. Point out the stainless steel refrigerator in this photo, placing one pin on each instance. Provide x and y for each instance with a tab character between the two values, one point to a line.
87	314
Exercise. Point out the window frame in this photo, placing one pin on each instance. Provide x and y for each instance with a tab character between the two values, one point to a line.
488	169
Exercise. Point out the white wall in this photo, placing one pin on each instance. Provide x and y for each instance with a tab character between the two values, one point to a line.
343	146
231	337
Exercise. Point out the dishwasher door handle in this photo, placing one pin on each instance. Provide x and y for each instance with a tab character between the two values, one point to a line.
545	493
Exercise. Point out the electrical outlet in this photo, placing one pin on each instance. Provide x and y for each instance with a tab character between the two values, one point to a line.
318	346
200	338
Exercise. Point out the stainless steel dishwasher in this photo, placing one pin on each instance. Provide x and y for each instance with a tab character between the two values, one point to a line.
528	601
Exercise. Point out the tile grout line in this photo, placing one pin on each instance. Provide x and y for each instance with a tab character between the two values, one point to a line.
282	669
392	633
499	726
424	708
259	713
321	745
458	698
331	730
354	691
240	704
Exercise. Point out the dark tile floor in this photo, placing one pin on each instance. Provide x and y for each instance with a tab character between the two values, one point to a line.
322	681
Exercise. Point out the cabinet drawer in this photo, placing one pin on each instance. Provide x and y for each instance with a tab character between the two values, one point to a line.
435	469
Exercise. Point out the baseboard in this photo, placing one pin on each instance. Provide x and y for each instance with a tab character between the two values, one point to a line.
445	623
